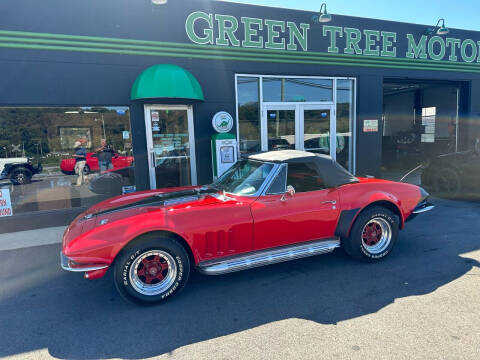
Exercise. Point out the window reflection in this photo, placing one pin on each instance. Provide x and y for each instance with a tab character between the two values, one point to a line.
57	158
248	114
297	90
345	108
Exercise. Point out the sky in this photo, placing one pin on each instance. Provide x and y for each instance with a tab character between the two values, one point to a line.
460	14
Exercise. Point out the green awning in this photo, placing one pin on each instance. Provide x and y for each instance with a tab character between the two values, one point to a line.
166	81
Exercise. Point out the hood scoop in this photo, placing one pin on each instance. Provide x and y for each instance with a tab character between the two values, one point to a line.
163	199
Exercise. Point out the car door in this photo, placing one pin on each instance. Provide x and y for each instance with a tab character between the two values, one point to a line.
92	161
310	214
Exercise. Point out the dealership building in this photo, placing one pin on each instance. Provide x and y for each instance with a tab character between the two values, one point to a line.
181	89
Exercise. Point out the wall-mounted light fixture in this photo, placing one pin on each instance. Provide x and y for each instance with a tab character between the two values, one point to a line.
159	2
324	16
438	29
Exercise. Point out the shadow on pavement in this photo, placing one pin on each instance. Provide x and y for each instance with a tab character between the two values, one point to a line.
44	307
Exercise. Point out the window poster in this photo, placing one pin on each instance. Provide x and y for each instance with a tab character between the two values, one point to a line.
5	203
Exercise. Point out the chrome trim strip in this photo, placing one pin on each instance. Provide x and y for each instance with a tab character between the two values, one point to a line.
267	257
425	208
64	263
180	200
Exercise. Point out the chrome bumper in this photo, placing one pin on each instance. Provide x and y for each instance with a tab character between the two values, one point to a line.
69	265
424	207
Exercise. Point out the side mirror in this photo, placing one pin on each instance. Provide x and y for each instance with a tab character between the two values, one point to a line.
290	191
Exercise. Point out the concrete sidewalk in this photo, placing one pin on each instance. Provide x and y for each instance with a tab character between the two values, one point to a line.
23	239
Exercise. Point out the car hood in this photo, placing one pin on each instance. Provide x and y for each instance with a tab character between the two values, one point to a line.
141	198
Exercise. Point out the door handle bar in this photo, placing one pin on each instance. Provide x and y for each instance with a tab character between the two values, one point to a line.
333	202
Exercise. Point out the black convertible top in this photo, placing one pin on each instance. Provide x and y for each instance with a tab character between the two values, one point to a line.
332	173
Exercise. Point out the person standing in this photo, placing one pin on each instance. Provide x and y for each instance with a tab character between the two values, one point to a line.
105	155
80	156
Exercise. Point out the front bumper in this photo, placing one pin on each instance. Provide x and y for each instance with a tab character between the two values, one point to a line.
70	265
423	207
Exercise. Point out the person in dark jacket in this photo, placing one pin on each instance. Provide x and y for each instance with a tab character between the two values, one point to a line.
105	155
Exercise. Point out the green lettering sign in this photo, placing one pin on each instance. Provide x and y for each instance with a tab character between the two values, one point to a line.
473	51
431	48
301	37
369	42
333	30
453	43
273	34
417	51
353	37
251	32
207	37
225	30
388	38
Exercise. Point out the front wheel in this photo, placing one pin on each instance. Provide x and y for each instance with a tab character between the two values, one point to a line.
373	234
151	270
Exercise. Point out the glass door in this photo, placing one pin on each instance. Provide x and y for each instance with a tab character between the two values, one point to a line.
318	129
299	126
280	128
171	146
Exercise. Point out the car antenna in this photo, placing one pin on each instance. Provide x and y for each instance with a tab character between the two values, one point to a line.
411	171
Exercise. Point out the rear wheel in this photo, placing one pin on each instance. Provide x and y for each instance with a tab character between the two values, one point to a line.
151	270
21	176
86	170
447	182
373	234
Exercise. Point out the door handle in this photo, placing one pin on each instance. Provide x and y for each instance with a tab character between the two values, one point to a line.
333	202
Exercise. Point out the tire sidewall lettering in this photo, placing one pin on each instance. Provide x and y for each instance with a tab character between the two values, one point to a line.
386	251
167	293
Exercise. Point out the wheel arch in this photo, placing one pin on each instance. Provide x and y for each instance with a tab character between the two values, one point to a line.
343	229
155	234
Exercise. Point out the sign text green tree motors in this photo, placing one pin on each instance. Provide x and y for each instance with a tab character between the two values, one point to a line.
227	30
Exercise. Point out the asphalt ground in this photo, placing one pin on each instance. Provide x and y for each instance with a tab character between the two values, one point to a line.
422	302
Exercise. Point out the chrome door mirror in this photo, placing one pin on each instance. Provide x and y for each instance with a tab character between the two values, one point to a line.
290	191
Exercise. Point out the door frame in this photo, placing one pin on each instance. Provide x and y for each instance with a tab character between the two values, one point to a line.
299	123
149	137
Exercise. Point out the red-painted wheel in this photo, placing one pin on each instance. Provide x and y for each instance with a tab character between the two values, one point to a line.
151	269
373	234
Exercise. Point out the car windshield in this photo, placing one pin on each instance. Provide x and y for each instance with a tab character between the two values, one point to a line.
246	177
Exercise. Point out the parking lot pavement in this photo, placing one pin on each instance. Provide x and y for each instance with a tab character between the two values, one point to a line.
419	303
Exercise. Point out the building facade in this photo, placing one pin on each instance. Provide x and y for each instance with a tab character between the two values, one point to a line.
378	96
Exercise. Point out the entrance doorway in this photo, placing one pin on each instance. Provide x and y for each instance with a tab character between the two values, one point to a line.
171	145
300	127
420	122
310	113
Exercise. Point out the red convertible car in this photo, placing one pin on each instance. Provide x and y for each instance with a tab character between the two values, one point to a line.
269	208
67	166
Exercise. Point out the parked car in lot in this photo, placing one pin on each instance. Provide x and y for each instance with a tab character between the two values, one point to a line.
268	208
18	170
454	174
67	166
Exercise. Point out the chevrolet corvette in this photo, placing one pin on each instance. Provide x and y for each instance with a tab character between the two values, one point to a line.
268	208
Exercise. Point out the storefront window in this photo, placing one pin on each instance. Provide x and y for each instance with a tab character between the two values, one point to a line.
297	90
248	114
345	111
57	158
